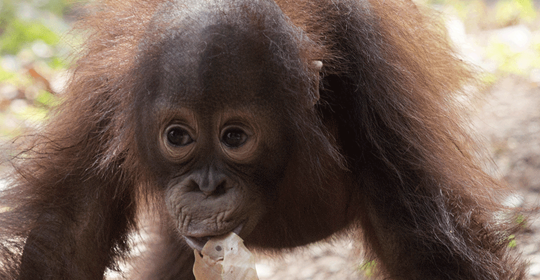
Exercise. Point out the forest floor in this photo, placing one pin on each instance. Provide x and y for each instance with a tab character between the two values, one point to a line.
509	120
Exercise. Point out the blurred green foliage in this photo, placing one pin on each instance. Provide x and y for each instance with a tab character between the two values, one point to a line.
19	33
6	75
26	22
502	13
511	61
32	51
508	11
515	51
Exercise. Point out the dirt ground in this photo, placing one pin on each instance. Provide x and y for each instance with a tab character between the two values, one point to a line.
509	120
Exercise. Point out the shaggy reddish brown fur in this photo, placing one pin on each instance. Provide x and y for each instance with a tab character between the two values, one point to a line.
388	134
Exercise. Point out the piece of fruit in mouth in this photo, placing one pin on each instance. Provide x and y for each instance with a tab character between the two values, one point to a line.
224	258
198	243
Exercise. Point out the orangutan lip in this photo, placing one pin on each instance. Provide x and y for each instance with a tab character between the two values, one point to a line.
197	243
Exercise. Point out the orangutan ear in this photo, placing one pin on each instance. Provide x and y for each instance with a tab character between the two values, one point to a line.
316	66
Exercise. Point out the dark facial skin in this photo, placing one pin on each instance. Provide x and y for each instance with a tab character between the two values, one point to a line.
218	146
214	190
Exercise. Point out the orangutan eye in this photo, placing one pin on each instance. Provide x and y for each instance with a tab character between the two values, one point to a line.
178	136
234	137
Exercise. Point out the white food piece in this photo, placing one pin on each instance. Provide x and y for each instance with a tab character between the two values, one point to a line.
224	258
